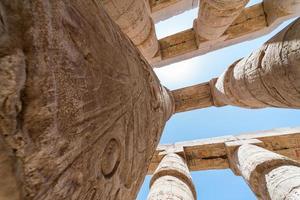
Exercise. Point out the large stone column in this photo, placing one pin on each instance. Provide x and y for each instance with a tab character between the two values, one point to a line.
172	180
270	175
215	16
269	77
134	19
276	9
81	111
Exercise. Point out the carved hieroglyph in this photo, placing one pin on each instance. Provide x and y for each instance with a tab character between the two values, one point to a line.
81	111
270	175
215	16
133	17
270	76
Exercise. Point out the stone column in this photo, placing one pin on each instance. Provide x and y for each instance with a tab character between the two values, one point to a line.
133	17
276	9
172	180
269	77
81	111
271	176
215	16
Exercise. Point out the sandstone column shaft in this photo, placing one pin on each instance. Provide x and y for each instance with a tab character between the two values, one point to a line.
275	9
133	17
162	9
270	175
215	16
269	77
172	180
81	110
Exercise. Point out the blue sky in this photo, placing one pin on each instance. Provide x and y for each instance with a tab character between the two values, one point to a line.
212	122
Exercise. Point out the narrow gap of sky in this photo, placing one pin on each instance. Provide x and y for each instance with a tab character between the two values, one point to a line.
213	122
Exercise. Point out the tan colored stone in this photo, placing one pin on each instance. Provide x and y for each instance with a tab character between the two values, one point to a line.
215	153
9	189
164	9
194	97
269	77
276	9
215	16
172	180
270	175
81	110
133	17
250	24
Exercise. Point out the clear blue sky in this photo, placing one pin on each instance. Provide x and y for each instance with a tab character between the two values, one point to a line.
212	122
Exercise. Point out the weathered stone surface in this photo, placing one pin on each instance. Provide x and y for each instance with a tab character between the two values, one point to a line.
215	153
215	16
81	111
164	9
269	77
133	17
194	97
172	180
9	189
270	175
276	9
284	183
253	22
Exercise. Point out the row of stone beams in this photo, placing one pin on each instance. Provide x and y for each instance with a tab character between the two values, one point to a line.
208	154
249	23
253	22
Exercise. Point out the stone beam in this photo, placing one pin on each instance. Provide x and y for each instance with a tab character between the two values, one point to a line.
207	154
164	9
252	82
251	23
194	97
215	16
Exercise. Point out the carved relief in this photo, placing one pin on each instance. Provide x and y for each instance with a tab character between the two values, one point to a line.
87	116
110	158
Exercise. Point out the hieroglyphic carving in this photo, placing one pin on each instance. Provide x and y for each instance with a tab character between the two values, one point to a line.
252	82
110	158
82	110
269	175
133	17
215	17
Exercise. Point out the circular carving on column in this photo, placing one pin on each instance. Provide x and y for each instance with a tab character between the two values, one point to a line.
110	158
